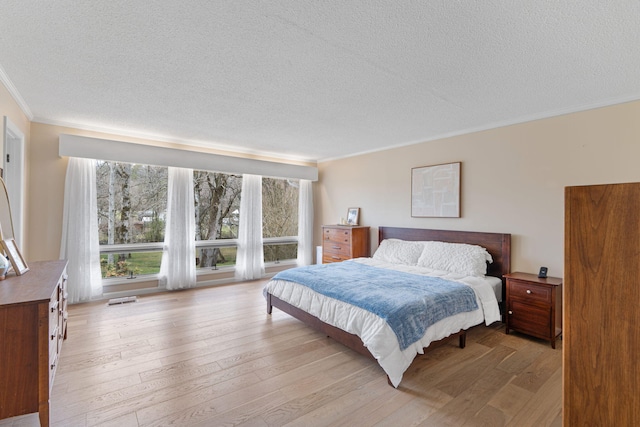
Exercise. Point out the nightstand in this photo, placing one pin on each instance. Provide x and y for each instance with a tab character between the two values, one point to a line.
534	305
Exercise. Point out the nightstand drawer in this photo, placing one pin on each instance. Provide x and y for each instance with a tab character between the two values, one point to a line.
529	292
530	319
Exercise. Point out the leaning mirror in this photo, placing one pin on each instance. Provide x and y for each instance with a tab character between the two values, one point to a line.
6	227
6	222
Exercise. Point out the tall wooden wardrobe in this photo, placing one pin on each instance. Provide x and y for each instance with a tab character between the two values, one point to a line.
601	360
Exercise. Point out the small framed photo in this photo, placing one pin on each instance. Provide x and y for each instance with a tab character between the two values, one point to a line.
352	216
17	261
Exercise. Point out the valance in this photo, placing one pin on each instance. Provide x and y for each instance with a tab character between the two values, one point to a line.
119	151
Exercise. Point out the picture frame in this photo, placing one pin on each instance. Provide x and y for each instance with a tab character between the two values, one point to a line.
17	261
353	215
435	191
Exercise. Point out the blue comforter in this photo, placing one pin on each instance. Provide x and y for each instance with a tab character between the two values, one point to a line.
409	303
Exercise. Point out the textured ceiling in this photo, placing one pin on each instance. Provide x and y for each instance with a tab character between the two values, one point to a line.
315	80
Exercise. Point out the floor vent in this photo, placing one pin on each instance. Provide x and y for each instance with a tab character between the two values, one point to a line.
122	300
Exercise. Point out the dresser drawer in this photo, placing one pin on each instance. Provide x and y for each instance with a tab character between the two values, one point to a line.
53	366
336	249
529	292
333	257
54	340
337	235
64	296
54	315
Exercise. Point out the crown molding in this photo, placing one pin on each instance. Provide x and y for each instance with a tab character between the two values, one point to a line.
4	78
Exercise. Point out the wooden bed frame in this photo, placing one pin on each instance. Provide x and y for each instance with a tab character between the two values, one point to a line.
497	244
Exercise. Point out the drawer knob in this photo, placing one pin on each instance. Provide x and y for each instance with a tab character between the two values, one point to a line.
510	312
528	291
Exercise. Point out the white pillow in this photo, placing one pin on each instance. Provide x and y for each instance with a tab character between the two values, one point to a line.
397	251
469	260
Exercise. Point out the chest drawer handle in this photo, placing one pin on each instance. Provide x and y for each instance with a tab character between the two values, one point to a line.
55	334
528	291
510	312
54	307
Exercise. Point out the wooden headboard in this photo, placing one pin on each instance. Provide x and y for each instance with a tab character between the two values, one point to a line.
497	244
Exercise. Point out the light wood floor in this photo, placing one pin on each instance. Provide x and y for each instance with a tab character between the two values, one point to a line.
213	357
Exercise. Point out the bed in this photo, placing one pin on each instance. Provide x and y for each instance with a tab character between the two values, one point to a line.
367	333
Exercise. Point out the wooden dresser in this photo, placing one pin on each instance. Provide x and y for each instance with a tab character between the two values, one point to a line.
341	242
534	305
33	324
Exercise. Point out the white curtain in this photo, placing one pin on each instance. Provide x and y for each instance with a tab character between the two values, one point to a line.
250	256
178	267
305	223
80	244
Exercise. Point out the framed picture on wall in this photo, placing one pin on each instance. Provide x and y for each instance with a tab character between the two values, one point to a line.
435	191
17	261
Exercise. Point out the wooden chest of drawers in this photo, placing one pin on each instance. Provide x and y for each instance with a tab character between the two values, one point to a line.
534	305
33	324
342	242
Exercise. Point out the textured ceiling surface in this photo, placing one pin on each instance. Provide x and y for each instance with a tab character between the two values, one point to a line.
315	80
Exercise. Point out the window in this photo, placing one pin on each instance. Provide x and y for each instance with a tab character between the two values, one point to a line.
280	219
132	205
217	204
